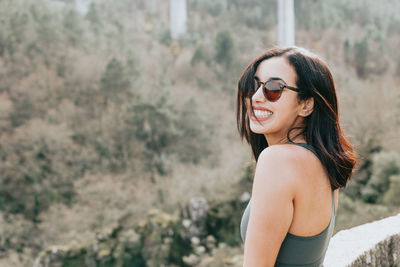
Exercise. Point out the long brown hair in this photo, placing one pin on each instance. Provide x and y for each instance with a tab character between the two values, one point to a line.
321	128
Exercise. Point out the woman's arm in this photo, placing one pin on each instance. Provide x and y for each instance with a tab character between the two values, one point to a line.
271	210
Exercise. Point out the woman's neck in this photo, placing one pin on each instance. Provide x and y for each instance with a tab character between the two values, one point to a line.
298	139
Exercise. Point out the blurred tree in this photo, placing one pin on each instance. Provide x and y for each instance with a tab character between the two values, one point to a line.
247	176
397	66
154	125
2	44
23	110
132	67
391	197
214	7
224	48
47	30
18	23
72	26
93	17
195	139
38	169
361	56
347	51
165	37
114	83
254	14
367	148
200	54
384	165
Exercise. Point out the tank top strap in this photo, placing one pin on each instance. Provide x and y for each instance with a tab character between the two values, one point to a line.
307	146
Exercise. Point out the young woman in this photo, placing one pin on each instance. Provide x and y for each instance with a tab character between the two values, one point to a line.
287	111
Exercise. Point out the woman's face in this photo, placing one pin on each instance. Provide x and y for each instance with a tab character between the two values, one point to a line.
286	111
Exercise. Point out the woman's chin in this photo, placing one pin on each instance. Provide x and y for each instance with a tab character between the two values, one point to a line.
258	130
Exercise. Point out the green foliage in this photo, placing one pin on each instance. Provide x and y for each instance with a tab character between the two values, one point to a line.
311	15
200	54
254	17
132	67
318	15
224	48
391	197
384	165
154	125
214	7
254	14
38	169
114	83
223	221
196	134
361	56
346	51
72	25
397	66
93	17
73	262
46	26
166	131
366	61
23	110
247	175
18	25
165	37
366	149
353	213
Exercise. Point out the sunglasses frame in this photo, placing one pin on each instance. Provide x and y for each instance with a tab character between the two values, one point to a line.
265	89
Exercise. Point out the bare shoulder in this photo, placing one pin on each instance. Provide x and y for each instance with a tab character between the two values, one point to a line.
286	157
282	161
288	151
288	162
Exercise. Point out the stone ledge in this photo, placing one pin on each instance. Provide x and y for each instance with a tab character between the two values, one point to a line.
372	244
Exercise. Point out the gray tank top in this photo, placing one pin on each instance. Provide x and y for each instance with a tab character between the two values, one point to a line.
305	251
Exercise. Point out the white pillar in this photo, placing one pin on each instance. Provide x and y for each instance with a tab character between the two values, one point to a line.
285	23
177	17
82	6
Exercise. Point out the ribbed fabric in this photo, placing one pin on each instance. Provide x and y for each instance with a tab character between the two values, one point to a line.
295	250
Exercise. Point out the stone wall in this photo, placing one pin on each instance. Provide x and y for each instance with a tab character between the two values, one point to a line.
371	244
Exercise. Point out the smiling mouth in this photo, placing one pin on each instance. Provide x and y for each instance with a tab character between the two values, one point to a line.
262	113
260	117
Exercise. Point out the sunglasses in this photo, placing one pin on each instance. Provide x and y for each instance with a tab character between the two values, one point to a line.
272	89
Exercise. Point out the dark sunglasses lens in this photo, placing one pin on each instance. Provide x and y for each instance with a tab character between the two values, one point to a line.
272	91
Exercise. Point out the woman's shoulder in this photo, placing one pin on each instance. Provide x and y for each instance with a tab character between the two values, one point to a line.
290	161
286	153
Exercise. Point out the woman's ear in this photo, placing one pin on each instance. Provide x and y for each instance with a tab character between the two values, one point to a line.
307	107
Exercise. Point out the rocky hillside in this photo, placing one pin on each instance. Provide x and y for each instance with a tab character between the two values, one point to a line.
104	117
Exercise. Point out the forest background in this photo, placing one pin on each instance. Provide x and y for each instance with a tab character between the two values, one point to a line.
102	114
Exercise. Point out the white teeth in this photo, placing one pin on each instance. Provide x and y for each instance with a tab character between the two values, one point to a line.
262	113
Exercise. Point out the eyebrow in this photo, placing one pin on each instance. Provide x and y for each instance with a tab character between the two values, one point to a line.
270	79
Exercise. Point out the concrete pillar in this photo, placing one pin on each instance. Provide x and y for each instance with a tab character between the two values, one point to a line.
82	6
285	23
177	18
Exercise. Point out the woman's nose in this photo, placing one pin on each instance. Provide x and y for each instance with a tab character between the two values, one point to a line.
258	96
